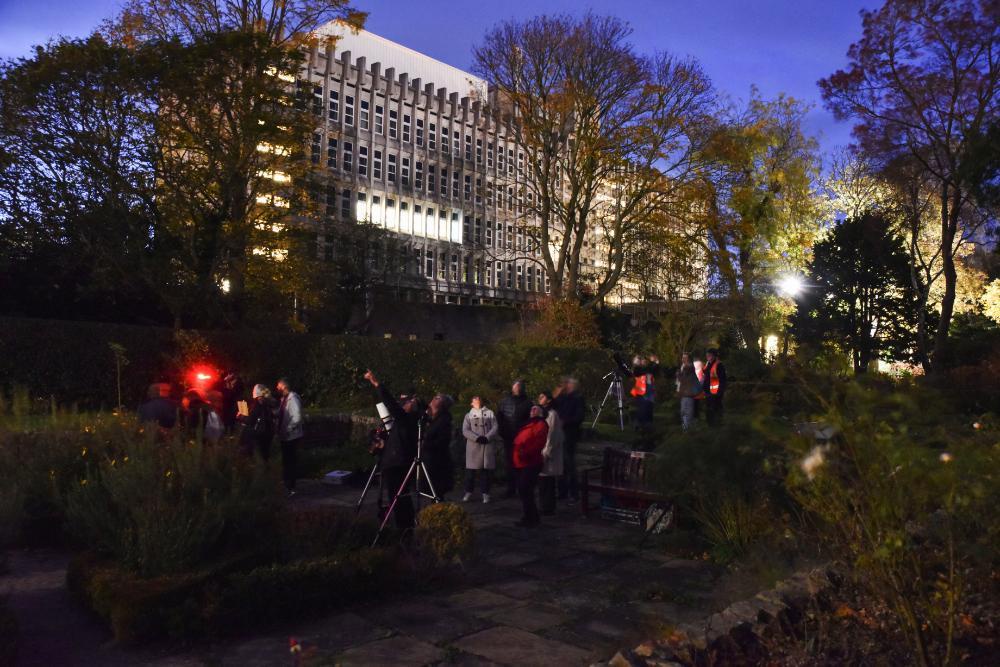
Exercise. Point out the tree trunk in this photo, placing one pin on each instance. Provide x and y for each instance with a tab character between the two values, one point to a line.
949	226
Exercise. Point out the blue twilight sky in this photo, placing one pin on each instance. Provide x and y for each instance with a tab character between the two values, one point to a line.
779	45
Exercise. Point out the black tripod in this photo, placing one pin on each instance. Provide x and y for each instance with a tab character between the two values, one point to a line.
417	466
617	389
376	472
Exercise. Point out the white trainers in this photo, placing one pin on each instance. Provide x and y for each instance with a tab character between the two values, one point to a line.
486	498
467	497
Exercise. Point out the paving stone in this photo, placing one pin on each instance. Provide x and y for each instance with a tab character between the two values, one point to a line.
513	559
547	571
531	617
575	600
333	634
511	646
479	601
521	589
427	621
392	652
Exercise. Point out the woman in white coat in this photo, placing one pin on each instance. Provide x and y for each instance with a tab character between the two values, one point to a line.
480	430
552	468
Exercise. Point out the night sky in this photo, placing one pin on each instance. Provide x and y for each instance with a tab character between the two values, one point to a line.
780	45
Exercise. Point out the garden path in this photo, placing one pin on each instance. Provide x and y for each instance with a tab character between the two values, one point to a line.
573	591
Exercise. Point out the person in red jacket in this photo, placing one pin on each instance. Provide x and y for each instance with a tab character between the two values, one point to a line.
528	460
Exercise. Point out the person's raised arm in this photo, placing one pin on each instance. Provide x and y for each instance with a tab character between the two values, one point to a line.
384	395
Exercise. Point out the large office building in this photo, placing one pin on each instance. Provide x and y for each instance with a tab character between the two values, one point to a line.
408	145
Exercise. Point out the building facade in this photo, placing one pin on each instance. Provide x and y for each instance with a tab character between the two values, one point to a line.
407	145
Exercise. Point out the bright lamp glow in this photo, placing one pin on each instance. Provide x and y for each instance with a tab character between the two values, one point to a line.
790	285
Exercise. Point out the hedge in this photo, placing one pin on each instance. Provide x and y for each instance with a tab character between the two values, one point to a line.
220	602
73	363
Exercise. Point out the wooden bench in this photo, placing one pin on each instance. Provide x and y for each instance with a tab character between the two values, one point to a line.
623	480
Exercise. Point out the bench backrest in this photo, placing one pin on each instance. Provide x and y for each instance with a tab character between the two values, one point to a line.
626	469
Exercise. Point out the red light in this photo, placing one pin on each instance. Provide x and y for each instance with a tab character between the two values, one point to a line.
201	376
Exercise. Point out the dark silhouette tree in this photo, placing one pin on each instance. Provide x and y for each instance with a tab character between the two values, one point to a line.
859	296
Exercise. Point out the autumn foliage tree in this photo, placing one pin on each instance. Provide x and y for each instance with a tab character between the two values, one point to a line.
755	208
160	163
922	83
607	135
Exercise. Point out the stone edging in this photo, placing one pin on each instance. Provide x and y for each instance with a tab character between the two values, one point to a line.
788	599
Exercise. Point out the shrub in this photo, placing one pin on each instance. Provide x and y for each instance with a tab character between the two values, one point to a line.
327	369
732	523
907	497
322	532
279	592
159	508
445	534
563	323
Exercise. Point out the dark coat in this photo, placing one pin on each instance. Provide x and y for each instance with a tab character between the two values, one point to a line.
163	411
437	452
401	444
513	413
571	408
258	428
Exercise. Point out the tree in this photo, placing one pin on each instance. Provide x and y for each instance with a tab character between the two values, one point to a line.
980	169
755	207
607	136
859	296
233	180
77	183
923	80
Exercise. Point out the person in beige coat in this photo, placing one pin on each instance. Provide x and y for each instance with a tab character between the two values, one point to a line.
552	469
480	430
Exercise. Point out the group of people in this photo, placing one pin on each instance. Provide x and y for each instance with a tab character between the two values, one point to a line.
537	440
701	382
696	383
215	411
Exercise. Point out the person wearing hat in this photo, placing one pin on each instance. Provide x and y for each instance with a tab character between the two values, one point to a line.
399	450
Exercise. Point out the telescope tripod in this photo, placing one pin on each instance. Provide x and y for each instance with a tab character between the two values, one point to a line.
616	389
416	469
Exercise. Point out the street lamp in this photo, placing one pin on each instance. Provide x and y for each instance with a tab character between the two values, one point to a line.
790	285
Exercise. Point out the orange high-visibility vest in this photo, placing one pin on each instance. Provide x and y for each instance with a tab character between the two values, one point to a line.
640	386
713	378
